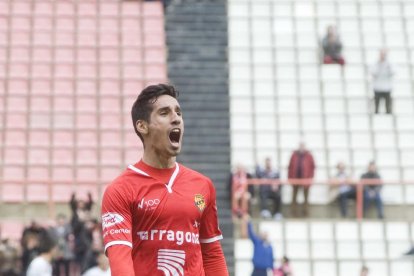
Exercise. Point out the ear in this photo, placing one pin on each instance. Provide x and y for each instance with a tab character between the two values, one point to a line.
142	127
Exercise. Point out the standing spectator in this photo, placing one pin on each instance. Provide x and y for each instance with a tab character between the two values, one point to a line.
240	194
269	191
372	192
63	234
30	243
347	191
382	74
82	226
301	166
284	269
332	47
102	267
42	264
262	252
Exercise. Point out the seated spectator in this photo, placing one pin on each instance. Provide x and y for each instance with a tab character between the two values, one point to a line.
382	73
102	267
346	190
42	264
269	191
372	192
332	47
239	192
284	269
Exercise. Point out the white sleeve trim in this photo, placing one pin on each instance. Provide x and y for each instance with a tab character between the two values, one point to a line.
210	240
109	244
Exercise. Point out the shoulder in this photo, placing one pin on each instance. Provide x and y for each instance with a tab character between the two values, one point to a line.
126	180
191	174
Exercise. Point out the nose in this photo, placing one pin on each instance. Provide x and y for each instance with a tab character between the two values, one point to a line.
177	119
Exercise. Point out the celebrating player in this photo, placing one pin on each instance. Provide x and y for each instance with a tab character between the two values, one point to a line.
160	217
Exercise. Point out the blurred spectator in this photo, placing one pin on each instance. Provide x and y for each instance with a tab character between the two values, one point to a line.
372	192
301	166
42	264
332	47
382	74
284	269
346	190
364	271
239	191
94	228
64	236
102	267
82	230
262	252
9	258
410	252
269	191
30	243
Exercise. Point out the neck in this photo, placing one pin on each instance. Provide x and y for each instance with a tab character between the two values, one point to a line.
47	257
159	161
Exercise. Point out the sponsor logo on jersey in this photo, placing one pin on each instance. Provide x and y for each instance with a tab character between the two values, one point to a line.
149	204
111	219
179	237
200	202
196	224
116	231
171	262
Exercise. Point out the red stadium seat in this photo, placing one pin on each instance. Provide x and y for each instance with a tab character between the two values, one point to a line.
62	156
11	230
42	8
12	193
153	9
37	192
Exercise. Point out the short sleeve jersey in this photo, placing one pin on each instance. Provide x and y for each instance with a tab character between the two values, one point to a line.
163	215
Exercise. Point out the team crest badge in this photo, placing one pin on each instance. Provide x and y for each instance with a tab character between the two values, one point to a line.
200	202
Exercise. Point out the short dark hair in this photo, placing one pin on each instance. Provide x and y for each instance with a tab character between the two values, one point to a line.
47	241
143	105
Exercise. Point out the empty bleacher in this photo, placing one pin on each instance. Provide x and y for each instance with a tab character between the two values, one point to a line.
280	94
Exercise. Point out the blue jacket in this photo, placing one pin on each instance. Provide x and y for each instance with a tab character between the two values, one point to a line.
263	251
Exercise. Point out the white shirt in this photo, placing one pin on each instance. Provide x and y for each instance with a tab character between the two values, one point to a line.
382	74
39	267
96	271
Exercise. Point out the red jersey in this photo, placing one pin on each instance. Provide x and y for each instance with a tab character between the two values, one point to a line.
163	215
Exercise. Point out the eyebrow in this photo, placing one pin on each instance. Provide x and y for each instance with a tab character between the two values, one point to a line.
164	108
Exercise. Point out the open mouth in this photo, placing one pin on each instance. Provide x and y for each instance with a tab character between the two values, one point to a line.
175	135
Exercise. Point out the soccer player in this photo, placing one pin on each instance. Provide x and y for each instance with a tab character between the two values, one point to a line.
160	217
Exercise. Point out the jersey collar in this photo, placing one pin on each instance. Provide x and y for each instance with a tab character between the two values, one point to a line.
170	182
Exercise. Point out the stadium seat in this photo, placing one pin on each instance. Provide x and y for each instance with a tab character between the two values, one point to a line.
324	268
11	229
349	267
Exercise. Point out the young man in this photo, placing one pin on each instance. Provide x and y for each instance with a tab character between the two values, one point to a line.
159	217
42	264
